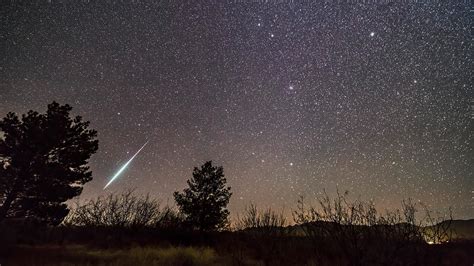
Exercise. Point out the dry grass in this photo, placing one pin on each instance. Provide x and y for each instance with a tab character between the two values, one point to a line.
137	256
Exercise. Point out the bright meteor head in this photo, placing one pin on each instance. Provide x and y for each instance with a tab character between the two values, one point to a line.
124	166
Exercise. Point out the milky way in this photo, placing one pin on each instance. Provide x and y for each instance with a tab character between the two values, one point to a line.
294	97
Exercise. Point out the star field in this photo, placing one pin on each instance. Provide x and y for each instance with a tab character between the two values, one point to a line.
290	97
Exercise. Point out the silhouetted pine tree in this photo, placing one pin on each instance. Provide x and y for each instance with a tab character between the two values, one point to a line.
43	163
204	202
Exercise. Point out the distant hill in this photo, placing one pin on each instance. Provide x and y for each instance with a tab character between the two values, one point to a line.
462	229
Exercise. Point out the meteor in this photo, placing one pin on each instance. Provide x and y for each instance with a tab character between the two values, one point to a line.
125	166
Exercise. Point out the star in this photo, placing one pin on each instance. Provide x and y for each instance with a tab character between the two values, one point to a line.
368	100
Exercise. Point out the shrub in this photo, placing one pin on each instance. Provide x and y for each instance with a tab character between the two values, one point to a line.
123	210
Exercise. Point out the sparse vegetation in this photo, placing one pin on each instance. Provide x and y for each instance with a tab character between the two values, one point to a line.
43	163
74	255
124	229
123	210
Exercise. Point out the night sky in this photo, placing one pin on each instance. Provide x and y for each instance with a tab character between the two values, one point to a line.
290	97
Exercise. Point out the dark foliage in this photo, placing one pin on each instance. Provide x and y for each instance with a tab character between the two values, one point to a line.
124	229
366	237
267	228
238	248
43	163
204	202
124	210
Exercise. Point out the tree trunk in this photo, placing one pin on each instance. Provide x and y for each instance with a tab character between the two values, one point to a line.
7	204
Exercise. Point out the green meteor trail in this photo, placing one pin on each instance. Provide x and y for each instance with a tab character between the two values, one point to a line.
124	166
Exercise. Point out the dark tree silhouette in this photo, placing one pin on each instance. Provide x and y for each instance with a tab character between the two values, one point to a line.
43	163
204	202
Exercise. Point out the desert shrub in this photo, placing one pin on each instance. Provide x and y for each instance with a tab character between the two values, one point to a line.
266	231
363	235
169	219
123	210
267	221
437	226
